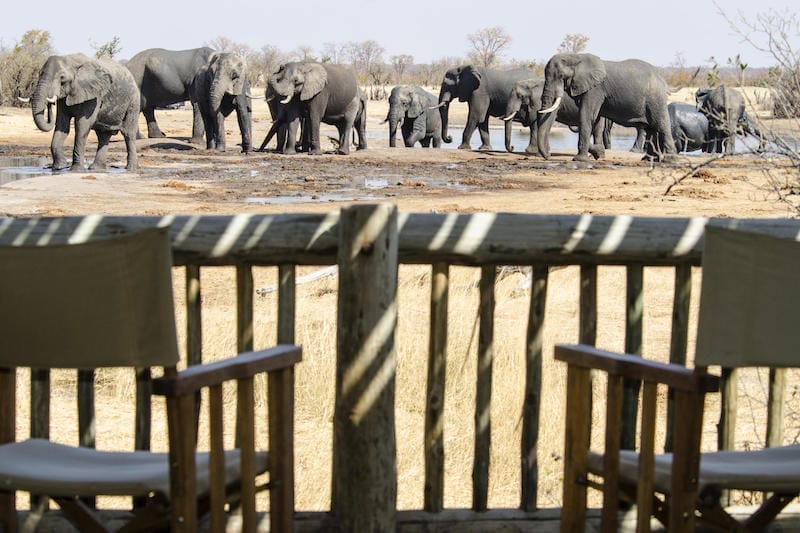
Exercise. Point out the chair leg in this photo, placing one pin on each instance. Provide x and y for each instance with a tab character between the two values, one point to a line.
768	511
8	512
281	449
81	515
153	515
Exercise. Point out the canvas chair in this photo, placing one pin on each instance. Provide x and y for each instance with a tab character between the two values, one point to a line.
747	318
109	304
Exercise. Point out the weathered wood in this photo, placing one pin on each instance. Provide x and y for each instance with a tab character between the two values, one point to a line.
216	469
685	460
483	392
281	452
364	496
245	433
144	391
244	308
613	442
468	239
8	426
776	406
633	345
286	303
679	337
87	425
587	324
40	418
194	323
533	389
434	412
183	476
726	429
576	448
644	482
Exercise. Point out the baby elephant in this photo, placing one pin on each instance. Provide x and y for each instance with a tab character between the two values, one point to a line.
99	94
415	111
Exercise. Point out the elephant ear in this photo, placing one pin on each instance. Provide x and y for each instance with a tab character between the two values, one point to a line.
588	73
91	81
315	78
469	79
415	107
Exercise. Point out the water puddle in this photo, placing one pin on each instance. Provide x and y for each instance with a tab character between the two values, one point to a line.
14	168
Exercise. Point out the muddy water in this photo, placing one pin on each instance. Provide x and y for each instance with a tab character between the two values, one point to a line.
13	168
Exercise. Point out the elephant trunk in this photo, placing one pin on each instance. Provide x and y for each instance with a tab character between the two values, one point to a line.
513	107
216	93
244	117
543	124
41	100
552	92
509	146
444	111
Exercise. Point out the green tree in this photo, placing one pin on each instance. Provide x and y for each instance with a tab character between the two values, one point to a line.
573	43
19	65
109	49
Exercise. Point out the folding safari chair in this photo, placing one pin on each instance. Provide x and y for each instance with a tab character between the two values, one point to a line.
748	318
109	304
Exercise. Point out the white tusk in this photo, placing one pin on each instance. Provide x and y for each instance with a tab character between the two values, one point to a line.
52	100
509	117
552	107
287	99
24	100
438	106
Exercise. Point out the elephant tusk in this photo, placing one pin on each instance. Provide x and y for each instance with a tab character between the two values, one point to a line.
509	117
23	100
287	99
385	120
552	107
438	106
52	99
269	99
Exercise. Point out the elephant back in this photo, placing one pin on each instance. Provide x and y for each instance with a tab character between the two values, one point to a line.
342	86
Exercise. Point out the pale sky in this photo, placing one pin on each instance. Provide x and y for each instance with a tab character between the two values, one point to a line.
425	29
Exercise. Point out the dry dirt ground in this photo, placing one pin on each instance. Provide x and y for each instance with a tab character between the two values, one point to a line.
179	178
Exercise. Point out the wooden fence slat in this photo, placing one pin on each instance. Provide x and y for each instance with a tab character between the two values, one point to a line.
40	419
287	303
217	459
776	406
194	329
434	412
726	429
364	443
644	483
244	308
587	324
8	425
483	395
679	337
87	426
533	388
614	426
633	345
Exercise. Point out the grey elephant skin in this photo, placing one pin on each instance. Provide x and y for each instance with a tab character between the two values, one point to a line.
325	93
218	88
725	110
524	102
98	94
689	128
630	93
486	92
164	77
286	118
415	110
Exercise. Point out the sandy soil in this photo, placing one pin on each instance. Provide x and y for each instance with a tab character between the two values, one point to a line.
179	178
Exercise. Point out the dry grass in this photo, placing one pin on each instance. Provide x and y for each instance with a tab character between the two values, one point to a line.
316	331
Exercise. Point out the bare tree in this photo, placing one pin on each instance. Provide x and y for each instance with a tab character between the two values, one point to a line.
265	62
573	43
303	53
109	49
400	64
488	45
334	53
363	57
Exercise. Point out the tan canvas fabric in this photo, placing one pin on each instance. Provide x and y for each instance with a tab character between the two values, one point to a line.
750	300
104	303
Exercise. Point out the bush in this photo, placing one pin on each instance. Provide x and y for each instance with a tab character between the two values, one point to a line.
19	66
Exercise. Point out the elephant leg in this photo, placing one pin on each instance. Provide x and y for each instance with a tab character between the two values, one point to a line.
425	141
417	133
638	144
598	149
78	151
532	147
129	134
153	131
219	131
314	120
101	156
57	142
197	124
437	139
483	130
588	112
345	131
473	117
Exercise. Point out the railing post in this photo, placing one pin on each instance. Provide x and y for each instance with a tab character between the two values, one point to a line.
364	447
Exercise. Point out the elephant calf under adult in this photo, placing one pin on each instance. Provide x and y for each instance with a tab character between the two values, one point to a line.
725	110
99	94
326	93
630	93
219	87
689	128
164	77
414	110
486	92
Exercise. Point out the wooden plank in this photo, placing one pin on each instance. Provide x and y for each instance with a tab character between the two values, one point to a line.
587	325
726	429
533	389
613	442
644	483
281	452
633	345
364	443
469	239
183	476
576	446
194	323
40	419
244	308
87	425
245	431
483	393
287	302
685	461
8	433
680	336
217	459
434	412
144	391
776	404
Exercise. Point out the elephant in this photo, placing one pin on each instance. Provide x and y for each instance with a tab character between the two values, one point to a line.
326	93
486	92
285	120
414	110
724	108
164	77
689	128
630	93
100	94
218	88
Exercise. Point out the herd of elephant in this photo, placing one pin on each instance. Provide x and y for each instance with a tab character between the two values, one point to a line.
582	91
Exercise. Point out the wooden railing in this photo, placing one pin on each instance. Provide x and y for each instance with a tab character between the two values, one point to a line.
367	243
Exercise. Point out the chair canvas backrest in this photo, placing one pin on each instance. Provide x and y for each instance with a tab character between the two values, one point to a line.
749	301
96	304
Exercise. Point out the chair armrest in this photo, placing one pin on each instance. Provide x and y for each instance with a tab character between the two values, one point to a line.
634	367
241	366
